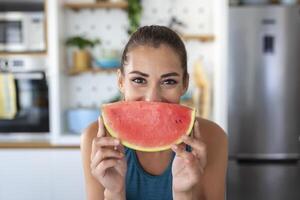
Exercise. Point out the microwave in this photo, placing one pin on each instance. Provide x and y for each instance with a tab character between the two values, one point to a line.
22	31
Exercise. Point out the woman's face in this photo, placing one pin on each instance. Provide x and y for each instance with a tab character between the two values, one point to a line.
152	74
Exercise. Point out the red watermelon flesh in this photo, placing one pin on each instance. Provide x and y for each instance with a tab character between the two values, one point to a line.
148	126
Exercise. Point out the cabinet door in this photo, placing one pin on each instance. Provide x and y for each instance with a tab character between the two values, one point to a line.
31	174
262	181
67	182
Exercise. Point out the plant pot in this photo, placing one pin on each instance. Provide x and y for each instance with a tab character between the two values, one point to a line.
81	60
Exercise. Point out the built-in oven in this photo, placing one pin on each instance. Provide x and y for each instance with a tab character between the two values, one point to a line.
27	94
22	26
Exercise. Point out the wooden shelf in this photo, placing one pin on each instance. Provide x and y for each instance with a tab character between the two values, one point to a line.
78	6
202	38
93	70
41	53
272	2
35	145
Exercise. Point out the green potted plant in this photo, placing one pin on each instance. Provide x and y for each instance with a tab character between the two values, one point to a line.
134	15
81	57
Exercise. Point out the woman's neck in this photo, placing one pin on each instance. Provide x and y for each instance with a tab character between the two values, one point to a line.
154	163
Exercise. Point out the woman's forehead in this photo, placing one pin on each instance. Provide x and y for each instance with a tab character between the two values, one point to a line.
149	59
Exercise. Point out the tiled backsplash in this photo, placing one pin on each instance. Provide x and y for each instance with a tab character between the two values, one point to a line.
110	25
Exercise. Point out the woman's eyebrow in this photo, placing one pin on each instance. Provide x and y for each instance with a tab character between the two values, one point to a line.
169	74
139	73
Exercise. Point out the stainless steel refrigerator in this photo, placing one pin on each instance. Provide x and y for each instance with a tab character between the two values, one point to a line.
264	103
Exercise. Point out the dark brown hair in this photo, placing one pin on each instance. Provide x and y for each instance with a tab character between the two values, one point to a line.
154	36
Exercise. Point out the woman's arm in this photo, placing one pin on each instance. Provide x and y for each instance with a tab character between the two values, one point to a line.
104	164
94	190
213	182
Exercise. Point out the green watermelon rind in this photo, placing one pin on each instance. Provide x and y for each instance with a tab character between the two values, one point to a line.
146	149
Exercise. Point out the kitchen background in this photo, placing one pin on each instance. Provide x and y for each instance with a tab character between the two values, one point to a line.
40	159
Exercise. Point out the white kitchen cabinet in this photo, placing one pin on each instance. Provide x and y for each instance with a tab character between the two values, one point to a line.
35	174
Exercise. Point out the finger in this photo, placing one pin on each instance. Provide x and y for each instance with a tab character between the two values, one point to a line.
104	142
121	148
105	154
181	152
198	149
196	145
106	164
107	141
182	145
196	131
93	148
101	129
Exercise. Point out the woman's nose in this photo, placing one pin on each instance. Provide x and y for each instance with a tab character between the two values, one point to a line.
153	94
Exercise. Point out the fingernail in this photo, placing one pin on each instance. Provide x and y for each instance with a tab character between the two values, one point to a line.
175	147
116	142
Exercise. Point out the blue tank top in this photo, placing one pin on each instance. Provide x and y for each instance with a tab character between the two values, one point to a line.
142	185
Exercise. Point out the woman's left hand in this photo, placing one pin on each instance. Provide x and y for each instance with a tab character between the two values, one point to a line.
188	167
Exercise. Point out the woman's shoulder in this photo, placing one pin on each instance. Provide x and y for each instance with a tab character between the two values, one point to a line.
212	133
215	140
89	133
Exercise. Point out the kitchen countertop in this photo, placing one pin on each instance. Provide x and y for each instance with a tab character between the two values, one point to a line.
35	145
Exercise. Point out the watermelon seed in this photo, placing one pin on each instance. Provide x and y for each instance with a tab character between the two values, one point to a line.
178	121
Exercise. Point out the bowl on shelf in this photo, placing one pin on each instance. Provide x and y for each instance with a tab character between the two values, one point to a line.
289	2
79	118
253	2
108	59
107	63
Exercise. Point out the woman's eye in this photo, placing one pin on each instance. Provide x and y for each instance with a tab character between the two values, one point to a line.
170	82
139	80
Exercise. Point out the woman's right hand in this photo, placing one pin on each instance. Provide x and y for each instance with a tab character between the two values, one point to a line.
108	163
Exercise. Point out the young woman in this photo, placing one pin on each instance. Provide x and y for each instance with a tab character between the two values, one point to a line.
154	68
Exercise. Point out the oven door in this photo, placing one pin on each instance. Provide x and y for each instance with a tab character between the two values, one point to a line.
12	32
32	105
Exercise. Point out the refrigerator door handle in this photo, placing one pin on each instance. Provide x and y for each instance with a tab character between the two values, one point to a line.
268	157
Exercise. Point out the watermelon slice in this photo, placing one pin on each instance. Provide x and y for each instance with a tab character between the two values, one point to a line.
148	126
